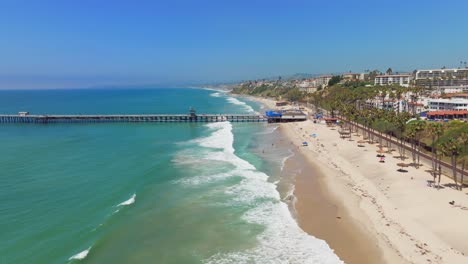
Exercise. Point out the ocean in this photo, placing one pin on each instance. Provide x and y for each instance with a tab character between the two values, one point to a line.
145	192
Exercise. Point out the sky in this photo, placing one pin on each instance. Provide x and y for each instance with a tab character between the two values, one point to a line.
87	43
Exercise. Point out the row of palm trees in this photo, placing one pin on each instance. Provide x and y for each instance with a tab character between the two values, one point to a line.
352	105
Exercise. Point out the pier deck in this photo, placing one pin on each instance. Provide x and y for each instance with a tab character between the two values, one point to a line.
46	119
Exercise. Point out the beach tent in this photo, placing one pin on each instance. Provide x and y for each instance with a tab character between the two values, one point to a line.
273	114
304	144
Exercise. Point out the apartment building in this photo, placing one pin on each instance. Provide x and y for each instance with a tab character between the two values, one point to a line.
323	80
443	78
443	104
400	79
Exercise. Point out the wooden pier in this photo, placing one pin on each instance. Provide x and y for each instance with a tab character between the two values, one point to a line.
48	119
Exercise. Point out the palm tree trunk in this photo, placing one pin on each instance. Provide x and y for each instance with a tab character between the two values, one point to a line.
419	151
432	156
454	170
440	173
462	174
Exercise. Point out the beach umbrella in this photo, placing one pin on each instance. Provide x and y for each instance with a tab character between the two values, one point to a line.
380	151
402	165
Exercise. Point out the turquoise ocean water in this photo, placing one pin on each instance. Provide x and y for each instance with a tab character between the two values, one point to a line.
145	192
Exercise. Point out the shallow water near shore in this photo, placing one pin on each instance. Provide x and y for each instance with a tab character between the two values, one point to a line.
139	193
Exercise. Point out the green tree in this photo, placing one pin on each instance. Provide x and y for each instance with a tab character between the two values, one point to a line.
294	95
334	80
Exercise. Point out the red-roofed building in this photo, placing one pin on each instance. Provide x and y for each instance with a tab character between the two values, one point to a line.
456	95
448	115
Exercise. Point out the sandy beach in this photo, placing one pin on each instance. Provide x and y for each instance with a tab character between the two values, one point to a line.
367	211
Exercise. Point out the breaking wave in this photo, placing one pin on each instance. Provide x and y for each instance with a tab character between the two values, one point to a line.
234	101
81	255
282	240
130	201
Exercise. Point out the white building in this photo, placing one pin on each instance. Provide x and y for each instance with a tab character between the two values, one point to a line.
312	85
442	74
442	78
308	86
351	76
400	79
323	80
455	104
388	104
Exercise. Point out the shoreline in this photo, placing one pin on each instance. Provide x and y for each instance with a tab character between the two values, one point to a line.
388	216
321	215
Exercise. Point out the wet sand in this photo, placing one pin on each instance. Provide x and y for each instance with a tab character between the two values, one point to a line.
320	215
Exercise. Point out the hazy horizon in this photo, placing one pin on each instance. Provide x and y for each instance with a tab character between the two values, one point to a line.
53	44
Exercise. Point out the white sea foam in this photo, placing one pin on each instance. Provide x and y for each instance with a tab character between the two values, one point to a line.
268	131
129	201
212	89
283	162
282	241
80	255
217	94
204	179
290	197
234	101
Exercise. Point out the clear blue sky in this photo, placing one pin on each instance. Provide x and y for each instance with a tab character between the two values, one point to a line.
52	44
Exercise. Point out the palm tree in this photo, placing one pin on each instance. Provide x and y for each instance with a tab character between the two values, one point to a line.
413	132
411	135
435	130
419	128
452	149
462	161
399	122
439	154
463	141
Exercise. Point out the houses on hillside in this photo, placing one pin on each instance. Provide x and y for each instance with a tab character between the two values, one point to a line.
314	84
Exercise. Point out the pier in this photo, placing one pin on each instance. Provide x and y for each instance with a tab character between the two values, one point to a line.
270	117
25	117
47	119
